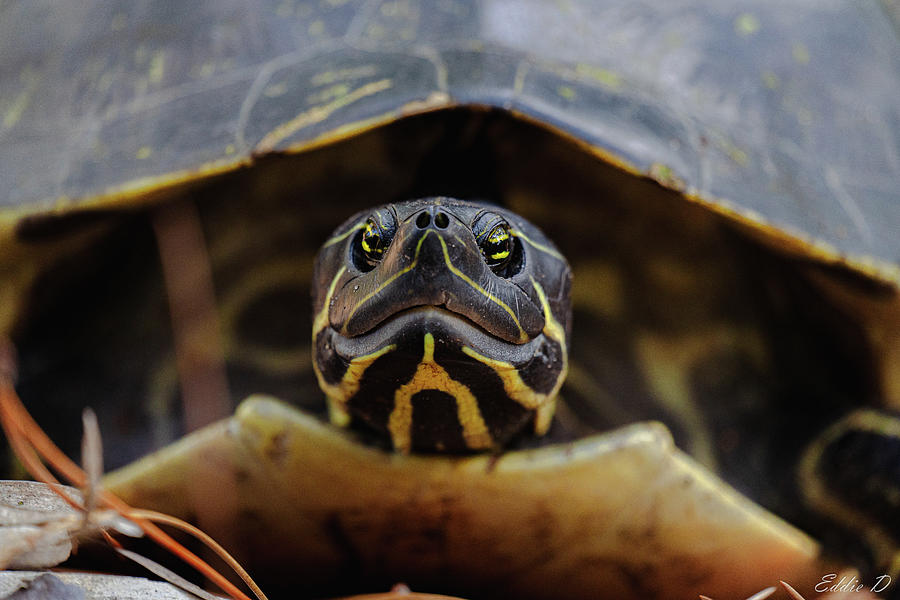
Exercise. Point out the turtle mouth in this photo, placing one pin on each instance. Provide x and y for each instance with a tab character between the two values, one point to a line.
408	326
429	312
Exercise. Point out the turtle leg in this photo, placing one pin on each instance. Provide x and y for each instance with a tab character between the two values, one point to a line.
851	474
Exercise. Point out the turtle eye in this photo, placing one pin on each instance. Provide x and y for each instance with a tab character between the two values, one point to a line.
376	236
372	242
496	243
496	246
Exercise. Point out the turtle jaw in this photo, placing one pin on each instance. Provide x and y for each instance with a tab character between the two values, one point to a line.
407	328
432	380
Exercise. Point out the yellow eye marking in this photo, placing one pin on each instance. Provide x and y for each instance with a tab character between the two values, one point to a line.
369	229
344	235
431	376
541	247
339	393
522	335
498	234
495	235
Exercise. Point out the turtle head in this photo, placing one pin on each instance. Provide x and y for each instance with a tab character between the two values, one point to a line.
440	323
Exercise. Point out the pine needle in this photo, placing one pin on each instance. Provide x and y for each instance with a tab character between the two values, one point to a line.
29	441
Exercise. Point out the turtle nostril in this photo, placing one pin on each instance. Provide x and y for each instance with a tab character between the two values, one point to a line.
441	220
423	220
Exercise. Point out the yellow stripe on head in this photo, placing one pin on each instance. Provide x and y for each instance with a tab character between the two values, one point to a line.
537	246
389	281
321	320
522	335
552	327
344	235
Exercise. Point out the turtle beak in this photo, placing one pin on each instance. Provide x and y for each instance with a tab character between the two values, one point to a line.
435	261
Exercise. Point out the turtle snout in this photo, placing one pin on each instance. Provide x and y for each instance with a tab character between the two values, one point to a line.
432	217
434	260
435	244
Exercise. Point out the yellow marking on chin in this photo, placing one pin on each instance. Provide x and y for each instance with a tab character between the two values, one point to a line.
431	376
344	235
522	335
340	393
544	405
541	247
513	384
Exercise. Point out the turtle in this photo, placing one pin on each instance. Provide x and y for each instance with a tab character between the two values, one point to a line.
722	181
436	327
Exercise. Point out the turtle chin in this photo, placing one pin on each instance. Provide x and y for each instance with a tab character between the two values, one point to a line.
433	380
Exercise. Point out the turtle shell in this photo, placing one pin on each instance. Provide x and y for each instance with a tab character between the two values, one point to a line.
767	114
723	180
